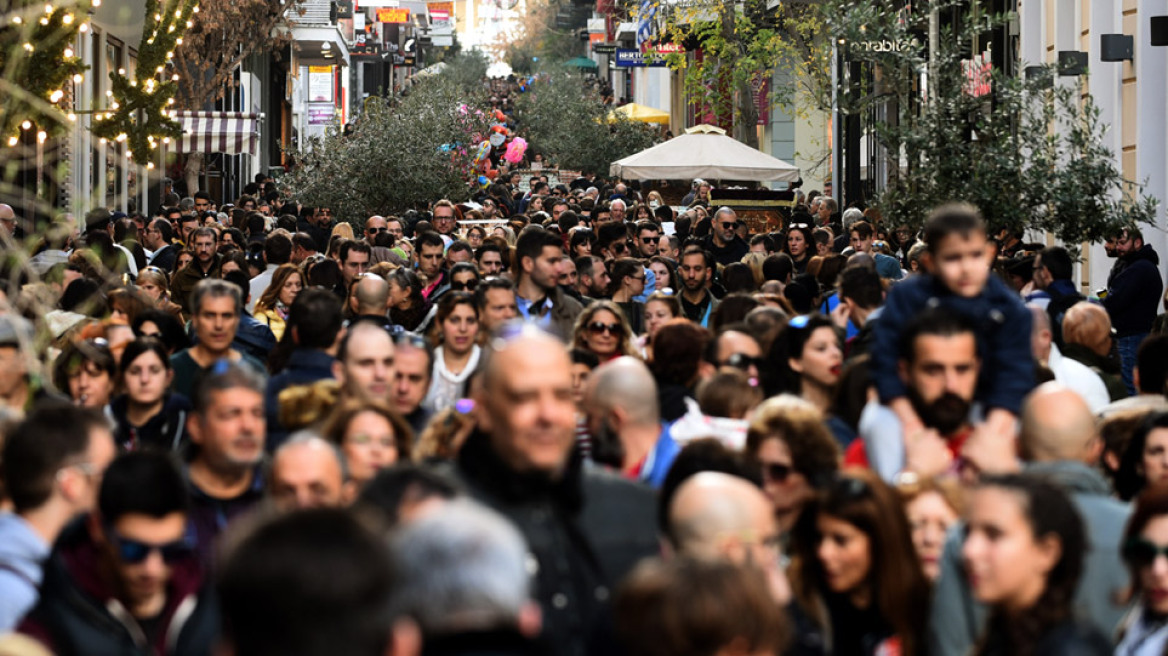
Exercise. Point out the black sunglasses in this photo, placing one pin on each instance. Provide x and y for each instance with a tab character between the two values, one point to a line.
742	362
469	286
133	552
733	225
1141	552
776	472
376	230
597	327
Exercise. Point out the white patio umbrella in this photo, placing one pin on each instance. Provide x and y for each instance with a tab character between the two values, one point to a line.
704	151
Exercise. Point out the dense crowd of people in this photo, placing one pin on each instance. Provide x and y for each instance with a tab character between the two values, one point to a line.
573	419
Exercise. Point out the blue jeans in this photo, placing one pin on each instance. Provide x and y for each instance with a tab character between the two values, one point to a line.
1127	347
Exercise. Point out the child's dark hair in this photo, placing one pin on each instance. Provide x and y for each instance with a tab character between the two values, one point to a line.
960	219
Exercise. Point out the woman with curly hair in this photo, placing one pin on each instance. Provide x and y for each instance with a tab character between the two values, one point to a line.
272	307
603	330
796	453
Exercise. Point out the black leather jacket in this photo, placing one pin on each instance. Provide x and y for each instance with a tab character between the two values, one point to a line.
585	530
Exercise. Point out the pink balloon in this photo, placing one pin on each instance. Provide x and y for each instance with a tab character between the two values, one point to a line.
515	150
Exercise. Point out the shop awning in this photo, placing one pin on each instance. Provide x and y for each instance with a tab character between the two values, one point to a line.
229	133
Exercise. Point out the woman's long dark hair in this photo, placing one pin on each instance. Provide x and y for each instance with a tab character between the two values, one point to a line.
777	376
1130	478
1049	512
899	589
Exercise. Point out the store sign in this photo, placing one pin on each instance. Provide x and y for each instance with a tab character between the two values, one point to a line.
365	44
602	48
440	12
320	84
393	15
321	114
886	45
627	58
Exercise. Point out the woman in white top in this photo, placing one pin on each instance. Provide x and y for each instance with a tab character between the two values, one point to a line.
456	356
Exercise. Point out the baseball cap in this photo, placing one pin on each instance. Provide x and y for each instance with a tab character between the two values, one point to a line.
15	330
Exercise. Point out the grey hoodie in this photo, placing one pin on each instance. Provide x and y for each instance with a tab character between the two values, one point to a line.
22	554
957	619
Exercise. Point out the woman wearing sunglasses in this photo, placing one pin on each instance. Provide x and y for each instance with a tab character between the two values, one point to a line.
789	442
1023	553
628	282
1145	551
854	571
603	330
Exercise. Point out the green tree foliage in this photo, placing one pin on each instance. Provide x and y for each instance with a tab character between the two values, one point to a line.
563	118
1028	152
400	153
742	43
544	38
37	64
141	107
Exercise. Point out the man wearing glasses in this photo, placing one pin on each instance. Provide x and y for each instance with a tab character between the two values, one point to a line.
128	581
444	220
648	237
52	464
724	241
374	225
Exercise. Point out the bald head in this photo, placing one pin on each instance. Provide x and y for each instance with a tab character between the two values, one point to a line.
711	507
307	472
1040	335
526	401
627	384
1058	425
7	218
372	295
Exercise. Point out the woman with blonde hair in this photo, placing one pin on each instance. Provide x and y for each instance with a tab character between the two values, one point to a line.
754	260
343	229
154	284
932	506
272	308
603	330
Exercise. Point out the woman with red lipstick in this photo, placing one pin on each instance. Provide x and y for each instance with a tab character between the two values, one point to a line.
854	571
805	360
456	354
1145	550
1023	554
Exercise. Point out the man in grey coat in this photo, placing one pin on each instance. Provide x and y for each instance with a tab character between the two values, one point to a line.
1059	441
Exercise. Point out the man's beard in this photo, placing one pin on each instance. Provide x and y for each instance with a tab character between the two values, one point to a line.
945	414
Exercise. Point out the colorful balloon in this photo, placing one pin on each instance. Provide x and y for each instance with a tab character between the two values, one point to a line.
515	150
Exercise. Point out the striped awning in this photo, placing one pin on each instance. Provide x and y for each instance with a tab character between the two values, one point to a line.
230	133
